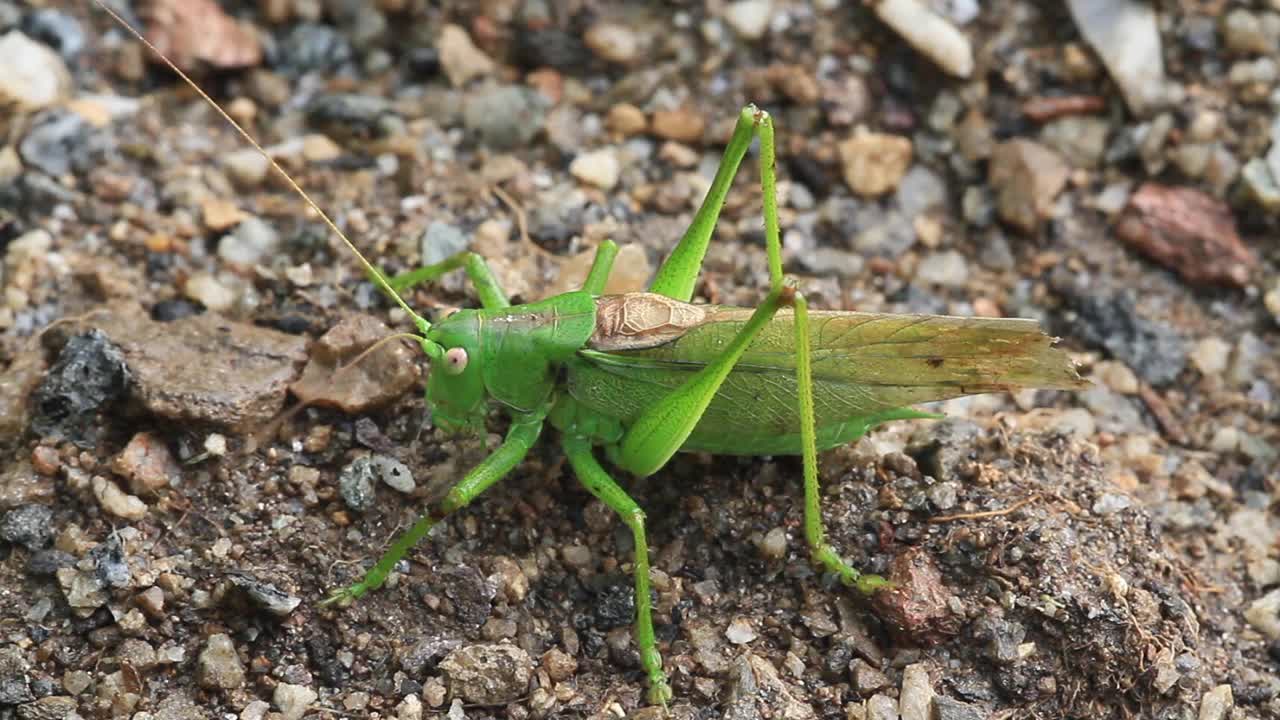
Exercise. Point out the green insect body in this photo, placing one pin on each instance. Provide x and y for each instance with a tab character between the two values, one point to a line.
645	375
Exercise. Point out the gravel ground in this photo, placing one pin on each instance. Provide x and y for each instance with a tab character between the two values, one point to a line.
188	467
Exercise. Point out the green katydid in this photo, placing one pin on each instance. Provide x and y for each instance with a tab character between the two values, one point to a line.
642	376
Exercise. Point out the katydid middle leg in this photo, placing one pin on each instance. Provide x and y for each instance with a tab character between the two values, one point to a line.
522	435
600	484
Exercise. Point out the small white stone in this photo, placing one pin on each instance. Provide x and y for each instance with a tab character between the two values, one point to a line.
34	75
293	700
1216	704
206	290
740	631
460	58
947	269
915	702
749	18
931	34
248	168
598	167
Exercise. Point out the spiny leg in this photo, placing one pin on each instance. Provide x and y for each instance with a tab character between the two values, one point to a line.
679	273
598	482
522	435
823	553
488	289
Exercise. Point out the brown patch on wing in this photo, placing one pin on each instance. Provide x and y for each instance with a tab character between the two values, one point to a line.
641	320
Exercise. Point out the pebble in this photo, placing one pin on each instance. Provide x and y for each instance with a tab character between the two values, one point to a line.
220	215
35	76
882	707
1244	33
874	163
252	242
356	484
757	691
931	34
313	47
1264	615
14	678
600	168
740	631
915	701
441	241
560	666
1126	35
614	42
948	269
774	544
57	143
57	29
947	709
504	117
393	473
1027	178
255	710
1117	376
151	602
206	369
866	678
247	168
218	666
1210	356
330	380
146	464
410	708
264	595
1216	704
1154	350
207	290
293	701
749	18
487	674
30	526
682	125
626	120
460	59
1111	503
51	707
320	148
116	501
1081	139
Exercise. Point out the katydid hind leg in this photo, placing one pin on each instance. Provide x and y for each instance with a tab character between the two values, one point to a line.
520	438
822	552
660	431
599	483
679	272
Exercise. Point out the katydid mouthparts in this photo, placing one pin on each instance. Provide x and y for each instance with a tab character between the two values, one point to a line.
641	376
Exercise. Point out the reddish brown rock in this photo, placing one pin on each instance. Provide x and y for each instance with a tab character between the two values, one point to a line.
916	604
1188	232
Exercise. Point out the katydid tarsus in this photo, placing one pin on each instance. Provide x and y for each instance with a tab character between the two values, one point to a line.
642	376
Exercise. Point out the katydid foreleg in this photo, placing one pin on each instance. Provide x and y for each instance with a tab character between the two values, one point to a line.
600	484
488	289
522	435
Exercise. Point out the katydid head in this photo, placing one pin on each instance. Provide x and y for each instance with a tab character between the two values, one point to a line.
455	388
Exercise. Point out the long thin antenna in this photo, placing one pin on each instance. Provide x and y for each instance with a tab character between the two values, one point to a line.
374	273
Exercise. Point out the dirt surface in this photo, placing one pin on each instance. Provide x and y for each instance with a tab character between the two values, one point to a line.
170	517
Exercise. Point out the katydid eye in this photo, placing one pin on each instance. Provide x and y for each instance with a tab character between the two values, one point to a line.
455	360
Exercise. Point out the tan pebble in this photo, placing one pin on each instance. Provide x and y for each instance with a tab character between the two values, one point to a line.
626	119
681	125
220	215
874	163
318	148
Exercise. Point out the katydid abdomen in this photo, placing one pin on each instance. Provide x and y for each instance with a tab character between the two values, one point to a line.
867	368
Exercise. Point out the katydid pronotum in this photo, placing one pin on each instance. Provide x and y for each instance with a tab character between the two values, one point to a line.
642	376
